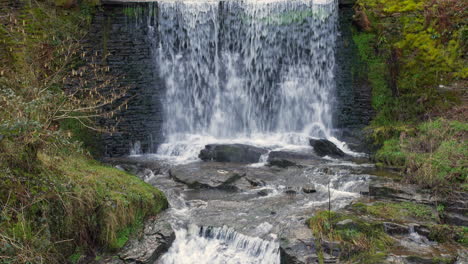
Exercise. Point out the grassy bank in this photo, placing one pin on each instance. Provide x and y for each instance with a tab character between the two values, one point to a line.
57	203
358	235
67	203
415	57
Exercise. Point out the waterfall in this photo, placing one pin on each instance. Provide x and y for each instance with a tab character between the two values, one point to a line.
219	245
257	72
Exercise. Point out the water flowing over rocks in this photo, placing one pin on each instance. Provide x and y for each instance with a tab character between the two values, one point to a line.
242	87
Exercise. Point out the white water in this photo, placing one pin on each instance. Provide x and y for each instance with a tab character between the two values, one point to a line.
253	72
198	245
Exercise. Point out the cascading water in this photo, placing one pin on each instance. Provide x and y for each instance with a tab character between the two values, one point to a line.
258	72
219	245
253	72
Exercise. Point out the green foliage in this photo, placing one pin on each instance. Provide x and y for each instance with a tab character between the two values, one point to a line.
361	241
449	234
75	257
434	156
400	212
58	204
416	45
391	154
69	201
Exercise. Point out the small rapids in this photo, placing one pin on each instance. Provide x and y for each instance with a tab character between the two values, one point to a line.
199	245
260	73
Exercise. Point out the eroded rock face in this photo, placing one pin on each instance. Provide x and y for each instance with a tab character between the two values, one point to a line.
323	147
395	229
156	239
238	153
456	206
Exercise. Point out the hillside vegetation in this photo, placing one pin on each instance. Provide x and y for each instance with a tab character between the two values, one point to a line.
415	52
57	203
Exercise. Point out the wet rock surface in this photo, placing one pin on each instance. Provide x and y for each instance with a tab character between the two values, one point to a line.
323	147
213	176
455	205
273	203
238	153
156	238
285	159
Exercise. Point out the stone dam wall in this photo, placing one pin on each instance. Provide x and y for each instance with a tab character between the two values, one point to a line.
129	43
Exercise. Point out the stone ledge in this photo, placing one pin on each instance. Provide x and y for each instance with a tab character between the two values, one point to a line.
125	2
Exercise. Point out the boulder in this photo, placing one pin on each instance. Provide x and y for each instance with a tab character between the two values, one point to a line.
155	240
309	189
208	177
289	155
264	192
285	159
281	163
324	147
237	153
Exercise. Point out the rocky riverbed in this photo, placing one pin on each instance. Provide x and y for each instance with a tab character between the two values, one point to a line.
241	212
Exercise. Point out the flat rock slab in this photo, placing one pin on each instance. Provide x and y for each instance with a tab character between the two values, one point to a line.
237	153
285	159
207	175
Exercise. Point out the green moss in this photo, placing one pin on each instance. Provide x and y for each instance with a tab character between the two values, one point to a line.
75	257
433	153
126	233
414	46
449	234
72	199
363	241
400	212
391	153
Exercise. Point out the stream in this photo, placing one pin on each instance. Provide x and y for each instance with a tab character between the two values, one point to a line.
259	74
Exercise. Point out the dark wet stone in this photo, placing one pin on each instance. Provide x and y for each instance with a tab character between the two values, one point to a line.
238	153
421	230
282	163
309	189
264	192
298	252
156	239
395	229
255	182
205	176
290	192
454	218
290	155
331	247
323	147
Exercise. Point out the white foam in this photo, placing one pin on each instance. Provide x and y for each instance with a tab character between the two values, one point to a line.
196	245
